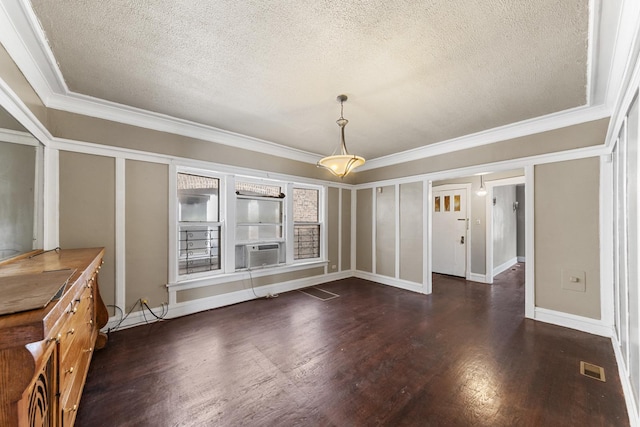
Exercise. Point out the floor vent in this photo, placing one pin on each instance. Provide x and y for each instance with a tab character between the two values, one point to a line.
318	293
592	371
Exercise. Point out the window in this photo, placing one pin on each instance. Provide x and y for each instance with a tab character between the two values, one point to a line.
259	225
306	224
227	224
198	223
258	212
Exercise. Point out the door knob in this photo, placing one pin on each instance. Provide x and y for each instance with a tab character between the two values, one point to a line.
462	240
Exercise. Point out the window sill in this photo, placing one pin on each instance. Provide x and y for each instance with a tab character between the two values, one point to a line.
217	279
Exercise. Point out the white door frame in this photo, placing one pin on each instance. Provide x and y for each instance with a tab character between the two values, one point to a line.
489	220
529	296
529	283
429	206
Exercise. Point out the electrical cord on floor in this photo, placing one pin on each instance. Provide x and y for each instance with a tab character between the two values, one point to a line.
161	316
143	306
268	296
123	318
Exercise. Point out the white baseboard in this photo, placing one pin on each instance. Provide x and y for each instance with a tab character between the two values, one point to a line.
632	409
390	281
189	307
580	323
522	259
475	277
504	266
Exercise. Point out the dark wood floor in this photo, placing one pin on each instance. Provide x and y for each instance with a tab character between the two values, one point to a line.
374	356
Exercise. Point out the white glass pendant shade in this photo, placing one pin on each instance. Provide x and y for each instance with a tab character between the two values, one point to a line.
341	164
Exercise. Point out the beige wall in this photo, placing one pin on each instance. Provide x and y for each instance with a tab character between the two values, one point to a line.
146	231
7	121
386	231
577	136
479	214
505	228
411	214
566	235
247	283
99	131
17	187
566	204
364	222
11	74
87	210
333	197
346	229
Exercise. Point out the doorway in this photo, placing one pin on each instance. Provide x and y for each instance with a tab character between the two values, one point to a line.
502	208
450	225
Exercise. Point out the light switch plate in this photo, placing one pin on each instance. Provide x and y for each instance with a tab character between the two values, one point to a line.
574	280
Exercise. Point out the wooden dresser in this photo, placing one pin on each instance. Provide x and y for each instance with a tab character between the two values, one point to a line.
45	352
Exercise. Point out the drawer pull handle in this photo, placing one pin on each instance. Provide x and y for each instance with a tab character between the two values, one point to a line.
74	310
71	331
90	323
74	408
69	371
56	338
88	350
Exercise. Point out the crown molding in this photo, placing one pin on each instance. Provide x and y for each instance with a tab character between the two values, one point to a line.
12	103
25	41
514	130
107	110
626	79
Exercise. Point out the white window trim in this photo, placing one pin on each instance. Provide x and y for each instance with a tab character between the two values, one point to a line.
322	215
174	224
227	272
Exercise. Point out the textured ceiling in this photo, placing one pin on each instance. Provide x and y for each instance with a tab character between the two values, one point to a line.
416	72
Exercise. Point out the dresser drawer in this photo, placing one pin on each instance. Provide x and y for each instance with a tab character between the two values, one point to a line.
79	323
72	377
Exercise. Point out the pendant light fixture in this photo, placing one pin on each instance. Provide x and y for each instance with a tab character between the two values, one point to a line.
482	191
341	164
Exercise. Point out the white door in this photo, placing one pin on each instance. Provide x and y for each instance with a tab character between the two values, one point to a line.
449	232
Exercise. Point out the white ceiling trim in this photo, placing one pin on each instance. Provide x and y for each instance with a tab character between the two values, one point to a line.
25	41
103	109
592	51
503	165
625	68
14	106
514	130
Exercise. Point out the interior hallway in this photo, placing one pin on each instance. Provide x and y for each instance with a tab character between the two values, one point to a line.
376	355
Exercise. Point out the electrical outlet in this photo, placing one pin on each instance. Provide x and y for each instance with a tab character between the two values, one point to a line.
573	280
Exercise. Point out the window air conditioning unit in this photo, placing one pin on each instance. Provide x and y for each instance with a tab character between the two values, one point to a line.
262	255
